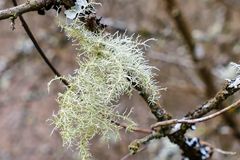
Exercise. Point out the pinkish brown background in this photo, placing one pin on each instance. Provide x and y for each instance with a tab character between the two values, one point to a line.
25	103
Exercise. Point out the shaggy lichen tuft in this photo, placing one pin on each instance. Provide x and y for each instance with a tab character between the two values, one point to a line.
109	66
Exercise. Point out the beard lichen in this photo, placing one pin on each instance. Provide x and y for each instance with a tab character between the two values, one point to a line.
109	66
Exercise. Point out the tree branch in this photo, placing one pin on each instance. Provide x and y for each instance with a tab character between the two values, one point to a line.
197	120
32	5
202	69
176	135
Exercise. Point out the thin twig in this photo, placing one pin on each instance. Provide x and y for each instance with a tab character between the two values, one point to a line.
197	120
224	152
135	146
129	154
218	149
39	49
136	129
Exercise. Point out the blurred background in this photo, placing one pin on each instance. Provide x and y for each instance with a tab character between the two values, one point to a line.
25	103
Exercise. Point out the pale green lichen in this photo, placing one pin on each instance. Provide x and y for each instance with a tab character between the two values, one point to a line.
120	54
109	66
